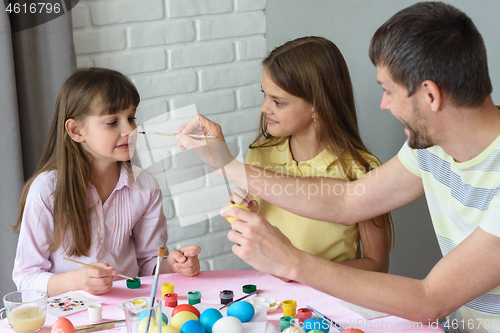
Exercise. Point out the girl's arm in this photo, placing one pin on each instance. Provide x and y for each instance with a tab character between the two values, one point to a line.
92	280
376	245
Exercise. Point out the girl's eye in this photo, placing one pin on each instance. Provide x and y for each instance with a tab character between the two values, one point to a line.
277	103
111	123
132	119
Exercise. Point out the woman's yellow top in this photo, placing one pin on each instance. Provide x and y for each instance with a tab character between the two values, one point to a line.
327	240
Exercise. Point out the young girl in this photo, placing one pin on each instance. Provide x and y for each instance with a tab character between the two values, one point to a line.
308	128
83	202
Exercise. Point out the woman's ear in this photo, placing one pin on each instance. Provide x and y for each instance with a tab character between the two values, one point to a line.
74	128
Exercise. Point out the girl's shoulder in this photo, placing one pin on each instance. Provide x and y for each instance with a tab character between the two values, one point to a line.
43	186
46	179
140	178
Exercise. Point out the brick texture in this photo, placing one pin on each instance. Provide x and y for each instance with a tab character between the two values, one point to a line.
179	53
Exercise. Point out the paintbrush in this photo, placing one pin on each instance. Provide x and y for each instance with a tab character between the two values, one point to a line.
89	265
174	134
161	253
239	299
99	326
322	316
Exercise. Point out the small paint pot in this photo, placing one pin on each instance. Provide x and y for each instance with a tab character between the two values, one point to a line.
226	296
303	314
134	284
170	300
194	297
249	288
289	307
285	322
166	288
95	312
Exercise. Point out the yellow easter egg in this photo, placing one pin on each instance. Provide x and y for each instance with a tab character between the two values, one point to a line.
231	219
169	329
142	325
181	317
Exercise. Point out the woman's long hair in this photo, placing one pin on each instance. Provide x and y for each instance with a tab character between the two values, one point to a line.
314	69
87	91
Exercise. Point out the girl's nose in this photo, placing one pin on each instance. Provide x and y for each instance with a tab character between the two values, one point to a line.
128	128
265	108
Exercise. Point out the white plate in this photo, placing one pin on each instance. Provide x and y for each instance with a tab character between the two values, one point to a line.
266	303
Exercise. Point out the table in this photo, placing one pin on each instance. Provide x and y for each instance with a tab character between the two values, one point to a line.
210	283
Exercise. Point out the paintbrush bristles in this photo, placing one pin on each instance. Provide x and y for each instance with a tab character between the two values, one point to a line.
161	253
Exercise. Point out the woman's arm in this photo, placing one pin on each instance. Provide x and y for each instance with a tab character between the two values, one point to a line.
376	245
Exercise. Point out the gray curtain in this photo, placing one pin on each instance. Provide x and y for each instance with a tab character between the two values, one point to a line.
34	62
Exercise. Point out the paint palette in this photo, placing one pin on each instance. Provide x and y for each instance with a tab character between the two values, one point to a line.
266	303
68	303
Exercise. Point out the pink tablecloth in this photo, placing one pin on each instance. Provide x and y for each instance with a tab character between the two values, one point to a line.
210	283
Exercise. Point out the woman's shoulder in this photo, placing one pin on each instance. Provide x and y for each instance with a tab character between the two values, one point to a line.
260	151
371	159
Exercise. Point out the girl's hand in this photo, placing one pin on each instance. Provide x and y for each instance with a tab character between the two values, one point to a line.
185	260
95	281
242	197
282	279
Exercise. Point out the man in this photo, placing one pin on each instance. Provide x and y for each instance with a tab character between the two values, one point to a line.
431	62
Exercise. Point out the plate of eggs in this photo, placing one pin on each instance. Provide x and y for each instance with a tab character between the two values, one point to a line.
266	303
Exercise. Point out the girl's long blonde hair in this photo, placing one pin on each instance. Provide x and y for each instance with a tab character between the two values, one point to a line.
81	94
314	69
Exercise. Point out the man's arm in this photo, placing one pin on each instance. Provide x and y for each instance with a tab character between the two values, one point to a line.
385	188
468	271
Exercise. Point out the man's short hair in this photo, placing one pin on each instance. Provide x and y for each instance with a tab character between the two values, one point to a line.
434	41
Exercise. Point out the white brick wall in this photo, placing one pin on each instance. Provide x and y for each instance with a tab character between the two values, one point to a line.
178	53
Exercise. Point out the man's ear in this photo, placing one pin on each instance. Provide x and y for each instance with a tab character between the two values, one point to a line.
74	130
433	95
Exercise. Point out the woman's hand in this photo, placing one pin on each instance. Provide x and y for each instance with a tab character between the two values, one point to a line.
185	260
242	197
213	152
95	281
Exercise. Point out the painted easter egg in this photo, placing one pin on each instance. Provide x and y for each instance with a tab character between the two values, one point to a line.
169	329
192	326
186	307
142	325
316	323
231	219
181	317
144	314
63	325
242	310
296	329
208	318
227	325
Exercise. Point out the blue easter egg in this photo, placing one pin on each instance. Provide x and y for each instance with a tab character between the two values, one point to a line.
192	326
144	314
208	319
242	310
316	323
